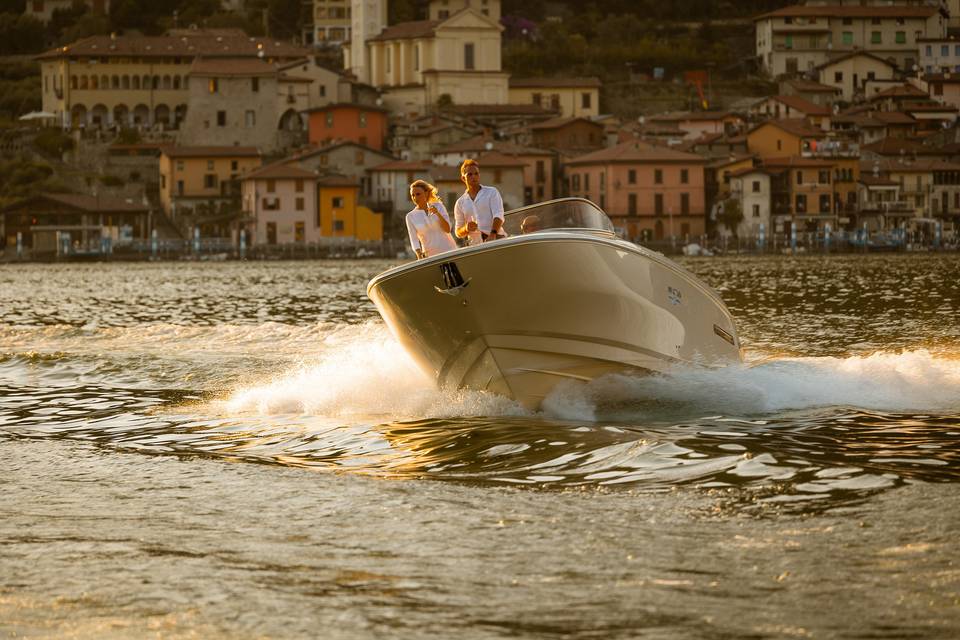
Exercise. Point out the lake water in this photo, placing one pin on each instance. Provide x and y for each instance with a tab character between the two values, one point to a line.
241	450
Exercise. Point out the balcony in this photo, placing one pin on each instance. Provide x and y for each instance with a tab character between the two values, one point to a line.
830	149
887	208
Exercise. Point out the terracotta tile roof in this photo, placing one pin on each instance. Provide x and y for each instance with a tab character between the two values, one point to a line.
869	179
502	110
347	105
802	105
637	152
855	54
240	67
901	146
836	11
773	171
499	160
795	161
809	86
183	46
403	165
280	171
479	143
211	152
893	117
556	123
900	91
794	126
338	181
909	165
691	116
309	153
533	83
407	30
926	106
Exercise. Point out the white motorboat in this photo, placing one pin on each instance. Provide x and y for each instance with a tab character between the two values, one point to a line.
569	300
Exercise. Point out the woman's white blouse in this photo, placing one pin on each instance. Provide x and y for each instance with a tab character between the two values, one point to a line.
427	234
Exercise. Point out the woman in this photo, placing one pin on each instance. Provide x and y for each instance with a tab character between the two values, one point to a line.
428	224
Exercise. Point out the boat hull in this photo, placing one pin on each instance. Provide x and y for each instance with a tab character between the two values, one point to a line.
534	311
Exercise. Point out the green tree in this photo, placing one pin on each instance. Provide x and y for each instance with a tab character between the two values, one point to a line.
732	215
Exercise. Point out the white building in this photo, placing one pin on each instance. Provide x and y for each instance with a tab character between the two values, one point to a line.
368	18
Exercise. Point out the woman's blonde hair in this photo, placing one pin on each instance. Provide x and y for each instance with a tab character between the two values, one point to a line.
426	186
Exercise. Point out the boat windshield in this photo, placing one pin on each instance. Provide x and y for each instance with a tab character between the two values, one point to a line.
568	213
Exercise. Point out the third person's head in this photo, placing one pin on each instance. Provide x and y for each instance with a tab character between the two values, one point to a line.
470	174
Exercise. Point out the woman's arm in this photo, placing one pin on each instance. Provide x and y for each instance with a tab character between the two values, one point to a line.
441	214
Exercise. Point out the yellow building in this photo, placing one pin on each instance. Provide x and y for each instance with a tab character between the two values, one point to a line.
106	81
570	97
193	175
416	64
340	214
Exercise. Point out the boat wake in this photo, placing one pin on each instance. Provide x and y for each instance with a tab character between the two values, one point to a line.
364	373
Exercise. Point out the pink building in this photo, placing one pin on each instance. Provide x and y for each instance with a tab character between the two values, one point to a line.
281	202
697	124
650	192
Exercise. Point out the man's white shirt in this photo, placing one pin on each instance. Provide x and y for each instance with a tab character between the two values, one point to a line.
484	208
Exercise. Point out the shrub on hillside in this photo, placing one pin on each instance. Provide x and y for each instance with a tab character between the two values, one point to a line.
52	142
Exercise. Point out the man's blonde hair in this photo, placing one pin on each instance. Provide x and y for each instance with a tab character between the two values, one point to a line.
469	162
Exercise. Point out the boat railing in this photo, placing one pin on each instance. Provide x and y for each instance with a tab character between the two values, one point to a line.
565	213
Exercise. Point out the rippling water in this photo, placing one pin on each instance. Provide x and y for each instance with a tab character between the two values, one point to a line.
242	450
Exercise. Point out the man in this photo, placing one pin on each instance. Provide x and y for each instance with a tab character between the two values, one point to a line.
478	214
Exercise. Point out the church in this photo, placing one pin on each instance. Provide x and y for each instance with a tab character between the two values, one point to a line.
454	57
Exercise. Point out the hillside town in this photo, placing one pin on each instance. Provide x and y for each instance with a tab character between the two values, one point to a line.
210	141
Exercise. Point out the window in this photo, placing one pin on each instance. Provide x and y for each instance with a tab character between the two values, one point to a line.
632	176
389	59
848	37
658	204
945	50
468	56
298	185
322	89
271	186
299	203
210	181
299	231
212	85
825	203
876	37
838	76
541	171
250	118
685	203
537	99
221	118
586	182
632	204
416	58
338	225
336	202
684	176
848	21
929	50
358	158
756	211
901	37
585	100
756	186
255	84
824	176
788	42
874	20
575	182
801	203
658	176
179	187
779	145
956	50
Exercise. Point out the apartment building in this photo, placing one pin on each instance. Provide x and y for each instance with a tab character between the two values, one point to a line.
939	55
106	81
202	177
649	192
800	38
